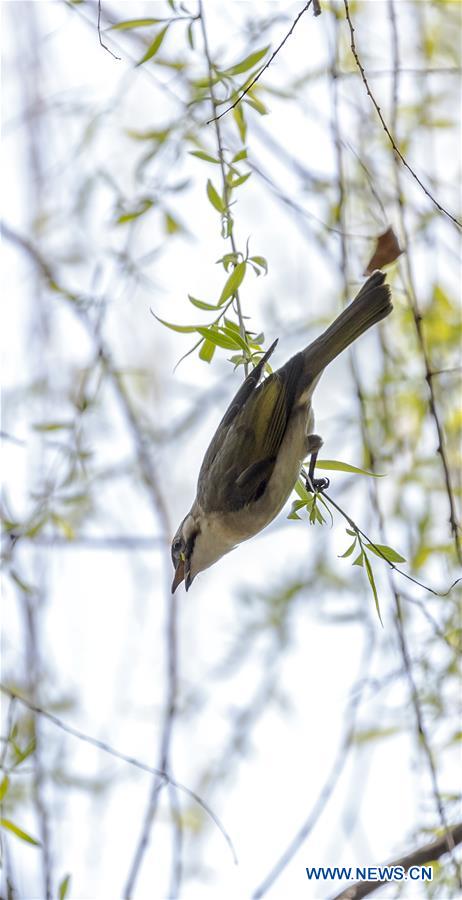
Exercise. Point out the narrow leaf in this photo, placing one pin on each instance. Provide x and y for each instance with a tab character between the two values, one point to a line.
245	64
207	351
255	103
359	561
128	216
64	887
52	426
239	118
218	338
215	198
172	226
133	23
182	329
242	154
260	261
371	578
349	551
200	154
240	180
337	466
300	489
4	787
232	283
373	734
382	550
10	826
201	303
154	47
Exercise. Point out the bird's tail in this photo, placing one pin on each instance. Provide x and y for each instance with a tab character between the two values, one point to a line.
371	305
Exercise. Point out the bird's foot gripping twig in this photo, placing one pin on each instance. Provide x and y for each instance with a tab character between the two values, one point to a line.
312	484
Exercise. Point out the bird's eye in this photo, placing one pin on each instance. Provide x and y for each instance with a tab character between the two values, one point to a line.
177	545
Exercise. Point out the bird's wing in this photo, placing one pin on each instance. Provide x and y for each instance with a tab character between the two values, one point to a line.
242	454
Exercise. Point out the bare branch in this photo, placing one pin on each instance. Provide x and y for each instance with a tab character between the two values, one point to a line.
415	310
418	857
385	126
222	163
99	34
267	64
164	776
331	781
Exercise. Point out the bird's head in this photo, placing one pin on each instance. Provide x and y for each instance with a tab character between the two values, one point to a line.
200	540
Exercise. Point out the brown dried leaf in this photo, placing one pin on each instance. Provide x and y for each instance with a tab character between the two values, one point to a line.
387	249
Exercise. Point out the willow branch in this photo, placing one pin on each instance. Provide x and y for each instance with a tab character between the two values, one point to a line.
165	776
385	126
228	109
418	857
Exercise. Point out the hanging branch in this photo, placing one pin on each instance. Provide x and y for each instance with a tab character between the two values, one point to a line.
331	781
418	857
411	294
103	45
165	777
267	64
385	126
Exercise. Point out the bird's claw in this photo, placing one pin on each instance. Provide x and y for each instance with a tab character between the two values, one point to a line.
317	485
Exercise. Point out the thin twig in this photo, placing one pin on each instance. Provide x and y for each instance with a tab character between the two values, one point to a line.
384	124
407	662
418	857
165	777
263	69
90	542
411	294
380	552
164	756
349	724
221	158
99	34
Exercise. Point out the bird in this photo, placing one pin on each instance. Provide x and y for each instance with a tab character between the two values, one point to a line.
256	454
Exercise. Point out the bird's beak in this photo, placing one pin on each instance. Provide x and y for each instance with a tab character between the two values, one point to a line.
179	576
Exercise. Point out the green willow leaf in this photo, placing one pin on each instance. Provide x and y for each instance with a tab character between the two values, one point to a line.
371	578
10	826
232	283
235	335
245	64
130	215
134	23
302	492
236	182
382	550
349	551
181	329
335	465
201	154
154	47
201	304
359	561
52	426
4	787
256	104
239	118
218	338
64	887
171	225
374	734
260	261
207	351
215	198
